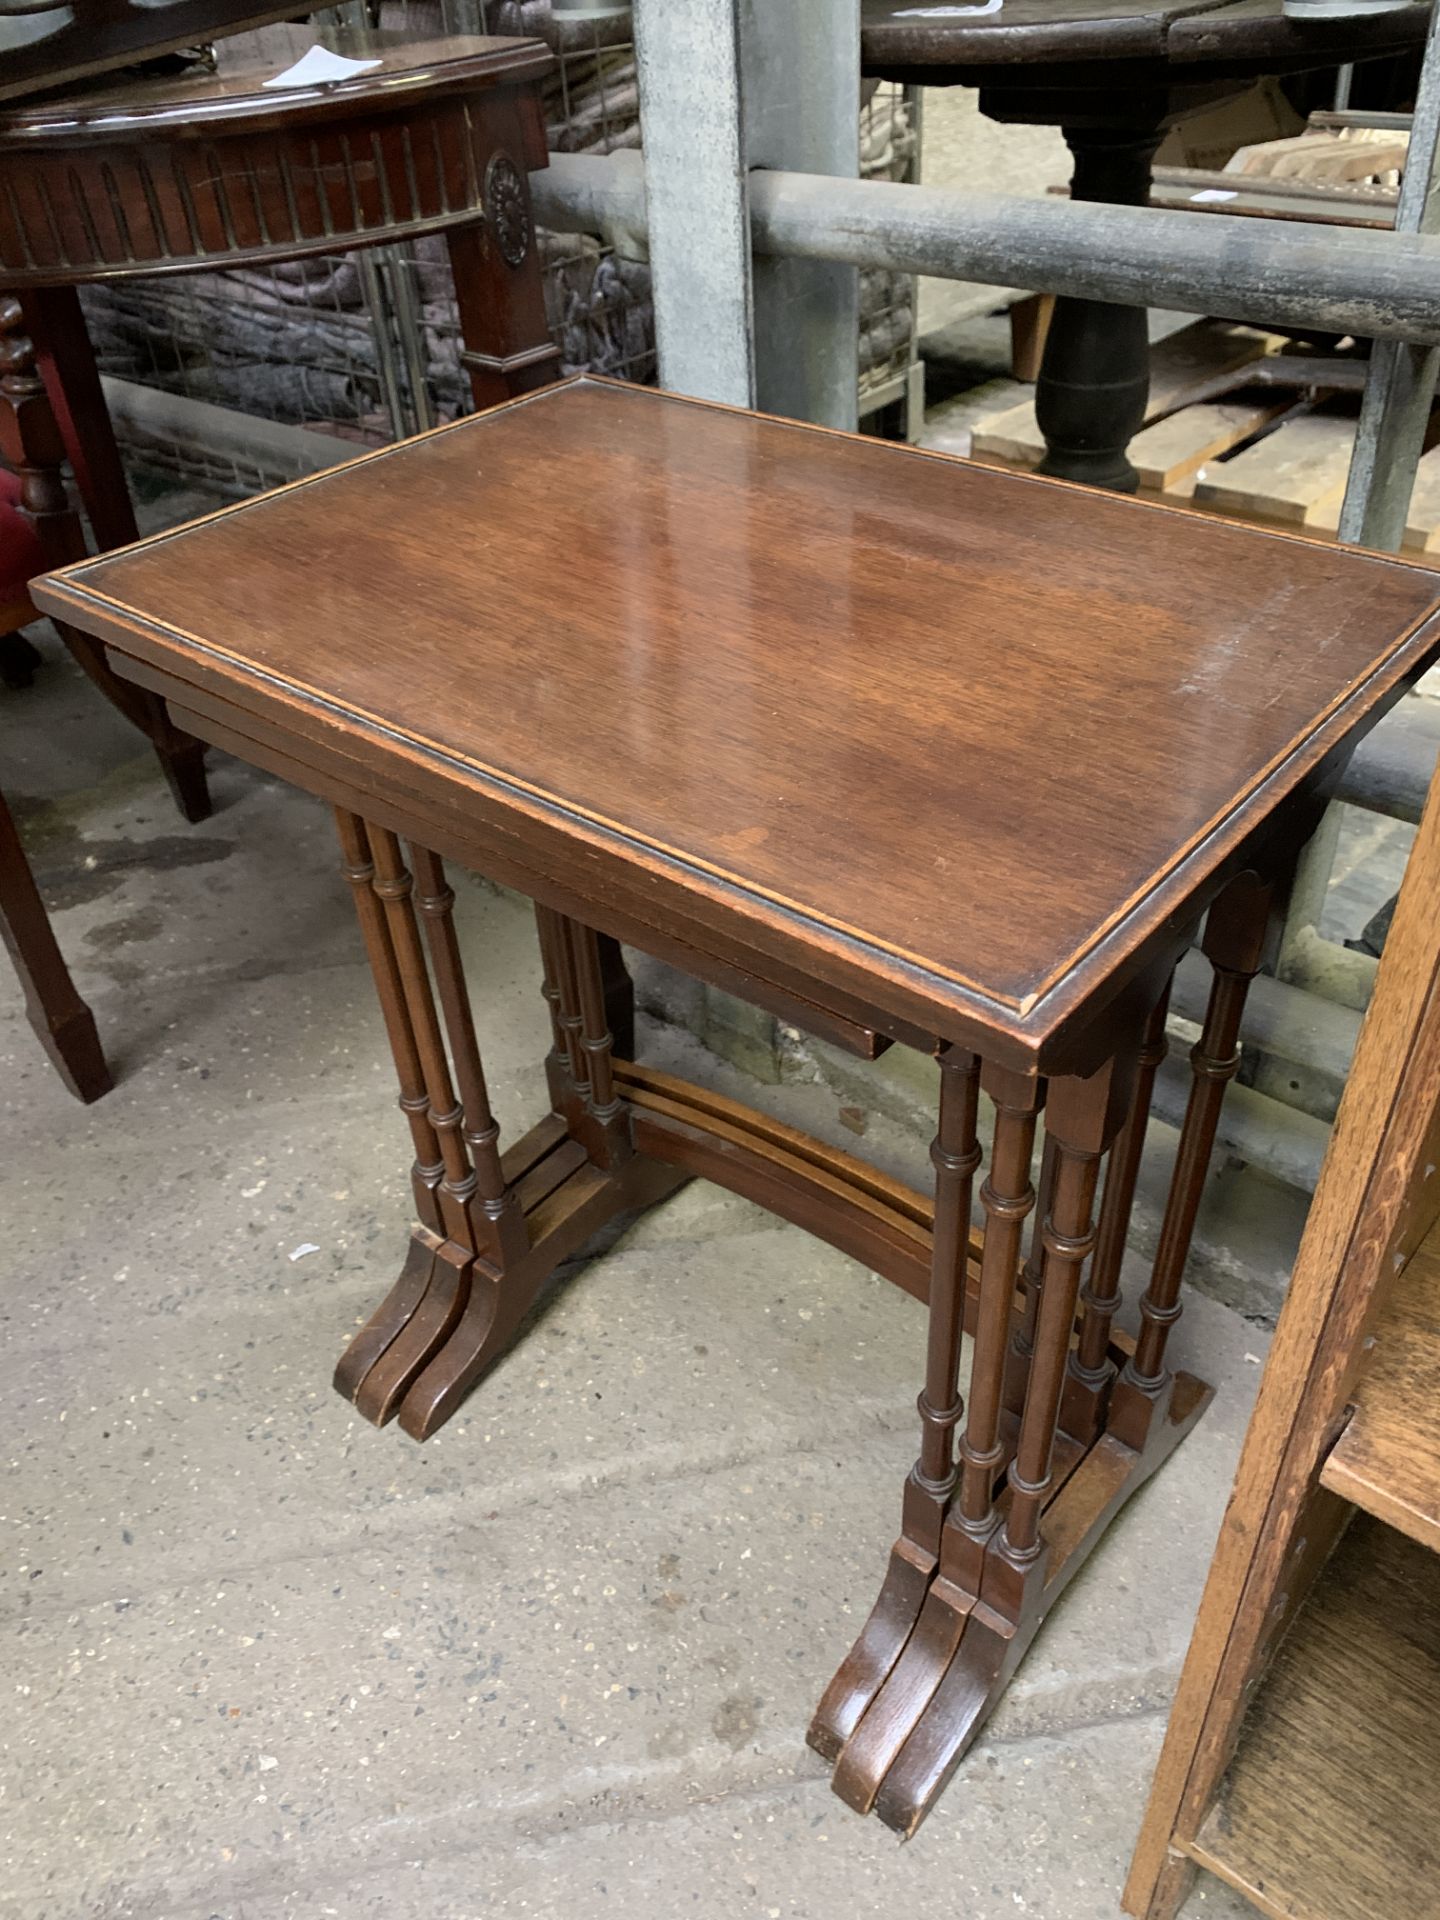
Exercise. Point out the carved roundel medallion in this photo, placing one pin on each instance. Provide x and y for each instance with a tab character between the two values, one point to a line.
506	208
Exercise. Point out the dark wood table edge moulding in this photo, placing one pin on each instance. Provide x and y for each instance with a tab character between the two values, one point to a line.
1066	1415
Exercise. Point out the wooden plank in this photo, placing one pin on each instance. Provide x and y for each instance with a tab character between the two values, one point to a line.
1422	530
1327	1811
1388	1458
1178	364
1287	477
950	426
1326	157
1163	454
1422	523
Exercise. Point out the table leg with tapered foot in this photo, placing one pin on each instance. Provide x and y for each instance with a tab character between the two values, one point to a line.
395	1311
379	1395
584	1171
1007	1197
1083	1117
913	1558
63	1024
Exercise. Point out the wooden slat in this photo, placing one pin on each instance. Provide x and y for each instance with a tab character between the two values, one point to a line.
950	427
1388	1458
1287	477
1328	1809
1180	444
1422	523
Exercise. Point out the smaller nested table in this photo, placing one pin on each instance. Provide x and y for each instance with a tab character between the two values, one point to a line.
649	677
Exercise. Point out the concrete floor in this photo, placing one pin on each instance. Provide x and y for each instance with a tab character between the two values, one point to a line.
263	1660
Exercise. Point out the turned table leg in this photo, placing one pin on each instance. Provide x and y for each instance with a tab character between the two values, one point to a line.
63	1023
1094	378
492	1226
959	1549
568	1176
385	1324
380	1392
1001	1559
1236	935
1091	1371
913	1558
1022	1337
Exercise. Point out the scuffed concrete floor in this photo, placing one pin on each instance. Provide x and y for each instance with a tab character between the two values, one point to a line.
264	1661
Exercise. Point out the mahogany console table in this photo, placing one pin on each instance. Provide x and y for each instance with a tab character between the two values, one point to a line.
127	178
996	854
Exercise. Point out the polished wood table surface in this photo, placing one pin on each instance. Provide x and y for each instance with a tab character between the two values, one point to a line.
1114	75
1109	721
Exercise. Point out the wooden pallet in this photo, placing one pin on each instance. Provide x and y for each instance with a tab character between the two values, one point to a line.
1223	456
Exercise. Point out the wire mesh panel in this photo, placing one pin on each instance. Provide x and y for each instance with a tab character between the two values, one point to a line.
889	150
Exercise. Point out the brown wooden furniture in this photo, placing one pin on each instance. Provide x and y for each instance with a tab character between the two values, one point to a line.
46	46
997	856
1303	1752
169	175
1113	75
63	1023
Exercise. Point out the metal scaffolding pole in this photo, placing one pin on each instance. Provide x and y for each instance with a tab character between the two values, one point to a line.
1401	383
1376	285
800	70
726	86
691	196
1389	440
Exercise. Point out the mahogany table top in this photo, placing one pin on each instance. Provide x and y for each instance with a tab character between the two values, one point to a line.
965	743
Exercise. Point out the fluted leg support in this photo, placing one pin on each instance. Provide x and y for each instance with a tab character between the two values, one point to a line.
607	1120
492	1225
381	1391
1003	1607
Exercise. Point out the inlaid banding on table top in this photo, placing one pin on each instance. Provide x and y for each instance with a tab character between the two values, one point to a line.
871	687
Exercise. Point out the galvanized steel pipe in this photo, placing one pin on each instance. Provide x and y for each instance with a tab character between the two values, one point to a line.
1375	285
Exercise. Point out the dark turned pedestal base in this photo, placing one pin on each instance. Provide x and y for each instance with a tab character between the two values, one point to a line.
1094	381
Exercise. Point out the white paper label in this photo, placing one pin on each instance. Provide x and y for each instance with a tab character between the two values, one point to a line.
1215	193
319	65
948	13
